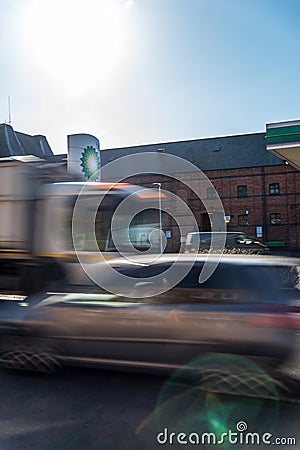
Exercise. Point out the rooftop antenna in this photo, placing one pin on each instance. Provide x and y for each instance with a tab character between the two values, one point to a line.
9	111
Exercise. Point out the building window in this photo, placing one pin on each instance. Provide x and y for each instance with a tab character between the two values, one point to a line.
211	193
275	219
274	189
243	220
242	191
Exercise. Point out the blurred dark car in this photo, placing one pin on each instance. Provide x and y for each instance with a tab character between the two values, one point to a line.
242	309
235	242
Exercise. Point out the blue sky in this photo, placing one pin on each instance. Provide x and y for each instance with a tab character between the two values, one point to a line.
133	72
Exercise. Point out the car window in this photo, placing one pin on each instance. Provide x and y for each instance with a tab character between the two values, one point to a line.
287	276
144	271
263	282
223	278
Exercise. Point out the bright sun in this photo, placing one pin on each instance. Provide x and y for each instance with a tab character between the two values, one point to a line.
78	43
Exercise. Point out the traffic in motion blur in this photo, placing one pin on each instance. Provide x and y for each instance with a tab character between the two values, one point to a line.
245	307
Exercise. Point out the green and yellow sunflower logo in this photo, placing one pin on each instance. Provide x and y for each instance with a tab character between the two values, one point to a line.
90	163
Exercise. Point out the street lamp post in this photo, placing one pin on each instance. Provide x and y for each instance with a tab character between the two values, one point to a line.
160	216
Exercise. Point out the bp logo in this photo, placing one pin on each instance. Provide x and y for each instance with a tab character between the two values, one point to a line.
90	162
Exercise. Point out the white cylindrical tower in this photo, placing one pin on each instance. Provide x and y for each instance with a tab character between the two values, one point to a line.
84	156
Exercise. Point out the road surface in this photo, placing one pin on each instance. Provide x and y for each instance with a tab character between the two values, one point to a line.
96	409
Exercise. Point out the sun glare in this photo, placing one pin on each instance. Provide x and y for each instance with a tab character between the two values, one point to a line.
77	43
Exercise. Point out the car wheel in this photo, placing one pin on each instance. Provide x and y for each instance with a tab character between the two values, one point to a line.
235	375
29	354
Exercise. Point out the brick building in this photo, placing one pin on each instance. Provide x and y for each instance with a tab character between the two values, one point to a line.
259	191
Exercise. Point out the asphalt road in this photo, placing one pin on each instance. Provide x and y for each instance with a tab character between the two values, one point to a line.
97	409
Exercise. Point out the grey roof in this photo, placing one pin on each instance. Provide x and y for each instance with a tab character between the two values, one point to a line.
14	143
218	153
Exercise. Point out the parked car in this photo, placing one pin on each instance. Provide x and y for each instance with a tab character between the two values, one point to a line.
235	242
242	309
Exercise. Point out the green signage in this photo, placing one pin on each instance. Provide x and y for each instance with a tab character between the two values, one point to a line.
90	163
283	134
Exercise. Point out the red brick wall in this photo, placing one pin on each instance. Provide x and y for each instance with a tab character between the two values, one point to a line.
258	202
